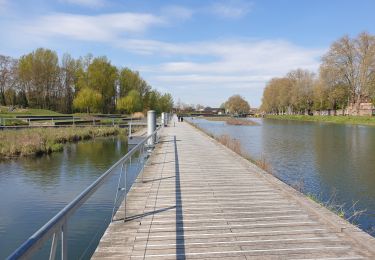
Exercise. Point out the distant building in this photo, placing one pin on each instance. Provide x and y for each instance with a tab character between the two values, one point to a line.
364	109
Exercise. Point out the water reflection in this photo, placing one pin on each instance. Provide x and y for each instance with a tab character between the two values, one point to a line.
32	190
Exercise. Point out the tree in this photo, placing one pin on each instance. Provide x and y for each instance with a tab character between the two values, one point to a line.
302	90
102	77
22	99
237	105
39	80
39	72
351	63
131	103
88	100
68	77
129	80
151	101
10	97
166	103
7	76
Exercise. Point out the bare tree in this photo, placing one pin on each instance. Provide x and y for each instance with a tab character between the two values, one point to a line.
7	76
237	105
351	62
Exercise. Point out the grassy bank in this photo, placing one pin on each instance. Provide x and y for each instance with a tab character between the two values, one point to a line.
356	120
15	143
232	120
5	111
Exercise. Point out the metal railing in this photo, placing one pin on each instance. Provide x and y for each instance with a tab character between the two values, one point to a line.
37	122
57	226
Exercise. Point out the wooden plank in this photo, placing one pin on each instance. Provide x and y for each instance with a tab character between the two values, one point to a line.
199	200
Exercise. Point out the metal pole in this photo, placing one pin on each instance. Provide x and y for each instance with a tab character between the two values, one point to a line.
126	192
163	119
143	160
151	126
64	241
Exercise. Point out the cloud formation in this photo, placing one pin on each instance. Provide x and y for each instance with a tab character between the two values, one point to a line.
86	3
102	28
232	8
221	66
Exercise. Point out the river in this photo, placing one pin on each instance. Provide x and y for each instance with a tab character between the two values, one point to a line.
333	162
34	189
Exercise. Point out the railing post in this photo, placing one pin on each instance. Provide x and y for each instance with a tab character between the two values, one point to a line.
55	238
143	161
64	241
126	193
163	119
151	126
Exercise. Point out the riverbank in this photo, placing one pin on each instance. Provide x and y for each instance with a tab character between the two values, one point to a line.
355	120
27	142
231	120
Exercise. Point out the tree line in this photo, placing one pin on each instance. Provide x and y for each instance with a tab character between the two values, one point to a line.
346	78
87	84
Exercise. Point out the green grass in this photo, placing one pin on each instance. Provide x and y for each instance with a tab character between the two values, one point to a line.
26	142
356	120
330	205
4	112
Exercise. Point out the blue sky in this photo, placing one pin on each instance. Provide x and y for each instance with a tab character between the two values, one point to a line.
200	51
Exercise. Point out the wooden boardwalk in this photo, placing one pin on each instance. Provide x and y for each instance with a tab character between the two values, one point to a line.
199	200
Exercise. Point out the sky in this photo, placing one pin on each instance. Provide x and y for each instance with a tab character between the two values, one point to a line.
201	52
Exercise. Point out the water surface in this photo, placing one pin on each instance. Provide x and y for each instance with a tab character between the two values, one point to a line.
34	189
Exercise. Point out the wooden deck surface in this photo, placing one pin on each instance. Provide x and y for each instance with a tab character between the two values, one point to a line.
199	200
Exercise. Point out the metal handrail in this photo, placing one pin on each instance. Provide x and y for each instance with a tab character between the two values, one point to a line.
58	224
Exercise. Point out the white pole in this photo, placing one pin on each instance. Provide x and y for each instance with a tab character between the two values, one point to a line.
163	118
151	126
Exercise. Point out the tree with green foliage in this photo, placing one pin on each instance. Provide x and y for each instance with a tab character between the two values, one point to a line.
151	101
102	77
22	99
166	103
129	80
131	103
88	100
39	72
39	80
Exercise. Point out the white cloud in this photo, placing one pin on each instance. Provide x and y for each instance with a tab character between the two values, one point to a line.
177	12
105	27
241	65
86	3
232	9
235	56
